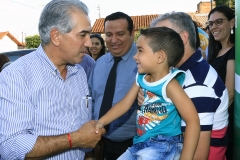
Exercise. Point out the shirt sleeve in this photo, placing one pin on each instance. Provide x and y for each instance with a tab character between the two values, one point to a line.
205	103
16	115
207	99
231	55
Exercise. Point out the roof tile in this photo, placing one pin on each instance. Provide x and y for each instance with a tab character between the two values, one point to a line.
144	21
138	22
7	33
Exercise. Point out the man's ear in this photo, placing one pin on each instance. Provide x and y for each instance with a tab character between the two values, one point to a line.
132	34
161	56
55	36
185	37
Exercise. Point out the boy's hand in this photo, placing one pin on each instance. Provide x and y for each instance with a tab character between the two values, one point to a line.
98	126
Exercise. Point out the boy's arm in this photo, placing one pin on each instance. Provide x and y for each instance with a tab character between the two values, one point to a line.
119	108
188	112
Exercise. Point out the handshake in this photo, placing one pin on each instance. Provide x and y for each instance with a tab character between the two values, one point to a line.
99	125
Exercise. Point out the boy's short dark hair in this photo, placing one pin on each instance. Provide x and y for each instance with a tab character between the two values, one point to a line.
167	40
120	15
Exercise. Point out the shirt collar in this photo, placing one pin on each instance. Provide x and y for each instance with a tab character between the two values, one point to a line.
71	69
192	60
133	49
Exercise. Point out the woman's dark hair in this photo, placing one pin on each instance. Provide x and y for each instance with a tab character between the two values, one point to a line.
3	59
197	35
215	46
103	50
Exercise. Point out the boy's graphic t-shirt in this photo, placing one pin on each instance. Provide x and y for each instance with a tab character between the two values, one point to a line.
157	115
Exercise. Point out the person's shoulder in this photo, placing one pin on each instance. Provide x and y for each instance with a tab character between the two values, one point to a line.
89	58
80	68
231	53
104	58
87	61
199	72
176	70
26	64
5	65
133	49
27	59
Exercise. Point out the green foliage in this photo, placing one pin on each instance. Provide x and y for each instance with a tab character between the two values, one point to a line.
229	3
32	41
137	33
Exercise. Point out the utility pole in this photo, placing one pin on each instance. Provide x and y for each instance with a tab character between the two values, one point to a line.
211	4
25	40
98	8
22	37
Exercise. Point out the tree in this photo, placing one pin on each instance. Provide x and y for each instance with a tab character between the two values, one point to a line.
137	33
32	41
229	3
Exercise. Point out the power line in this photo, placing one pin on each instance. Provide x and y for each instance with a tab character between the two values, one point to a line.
25	5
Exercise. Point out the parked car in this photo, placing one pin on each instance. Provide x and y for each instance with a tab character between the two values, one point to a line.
13	55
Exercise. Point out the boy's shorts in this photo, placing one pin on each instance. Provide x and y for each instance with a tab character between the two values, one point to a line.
159	148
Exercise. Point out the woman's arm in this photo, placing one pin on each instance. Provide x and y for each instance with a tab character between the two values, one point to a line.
229	80
119	108
188	112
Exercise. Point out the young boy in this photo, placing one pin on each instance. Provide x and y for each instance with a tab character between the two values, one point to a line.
158	121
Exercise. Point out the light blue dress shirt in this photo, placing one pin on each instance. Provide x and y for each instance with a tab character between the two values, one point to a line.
124	127
88	64
36	101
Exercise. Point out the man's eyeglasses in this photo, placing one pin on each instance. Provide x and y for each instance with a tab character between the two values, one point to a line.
217	22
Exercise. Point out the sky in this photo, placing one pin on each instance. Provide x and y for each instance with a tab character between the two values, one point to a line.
21	17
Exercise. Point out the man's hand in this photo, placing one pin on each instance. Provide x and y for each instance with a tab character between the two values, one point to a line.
203	147
86	137
140	97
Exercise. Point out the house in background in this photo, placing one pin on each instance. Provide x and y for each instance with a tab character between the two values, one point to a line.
144	21
9	43
205	7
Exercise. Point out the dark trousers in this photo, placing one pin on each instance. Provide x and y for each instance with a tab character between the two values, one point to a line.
112	150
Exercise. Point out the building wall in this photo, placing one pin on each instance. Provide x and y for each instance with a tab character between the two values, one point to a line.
205	7
6	44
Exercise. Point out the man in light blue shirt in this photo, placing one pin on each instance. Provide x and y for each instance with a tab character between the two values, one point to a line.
119	40
88	64
43	110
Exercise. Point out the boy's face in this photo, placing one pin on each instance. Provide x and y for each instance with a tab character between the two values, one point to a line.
145	58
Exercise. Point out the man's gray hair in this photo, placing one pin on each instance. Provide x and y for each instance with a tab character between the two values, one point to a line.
57	14
181	22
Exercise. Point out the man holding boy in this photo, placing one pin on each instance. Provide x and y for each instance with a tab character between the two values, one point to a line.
203	86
